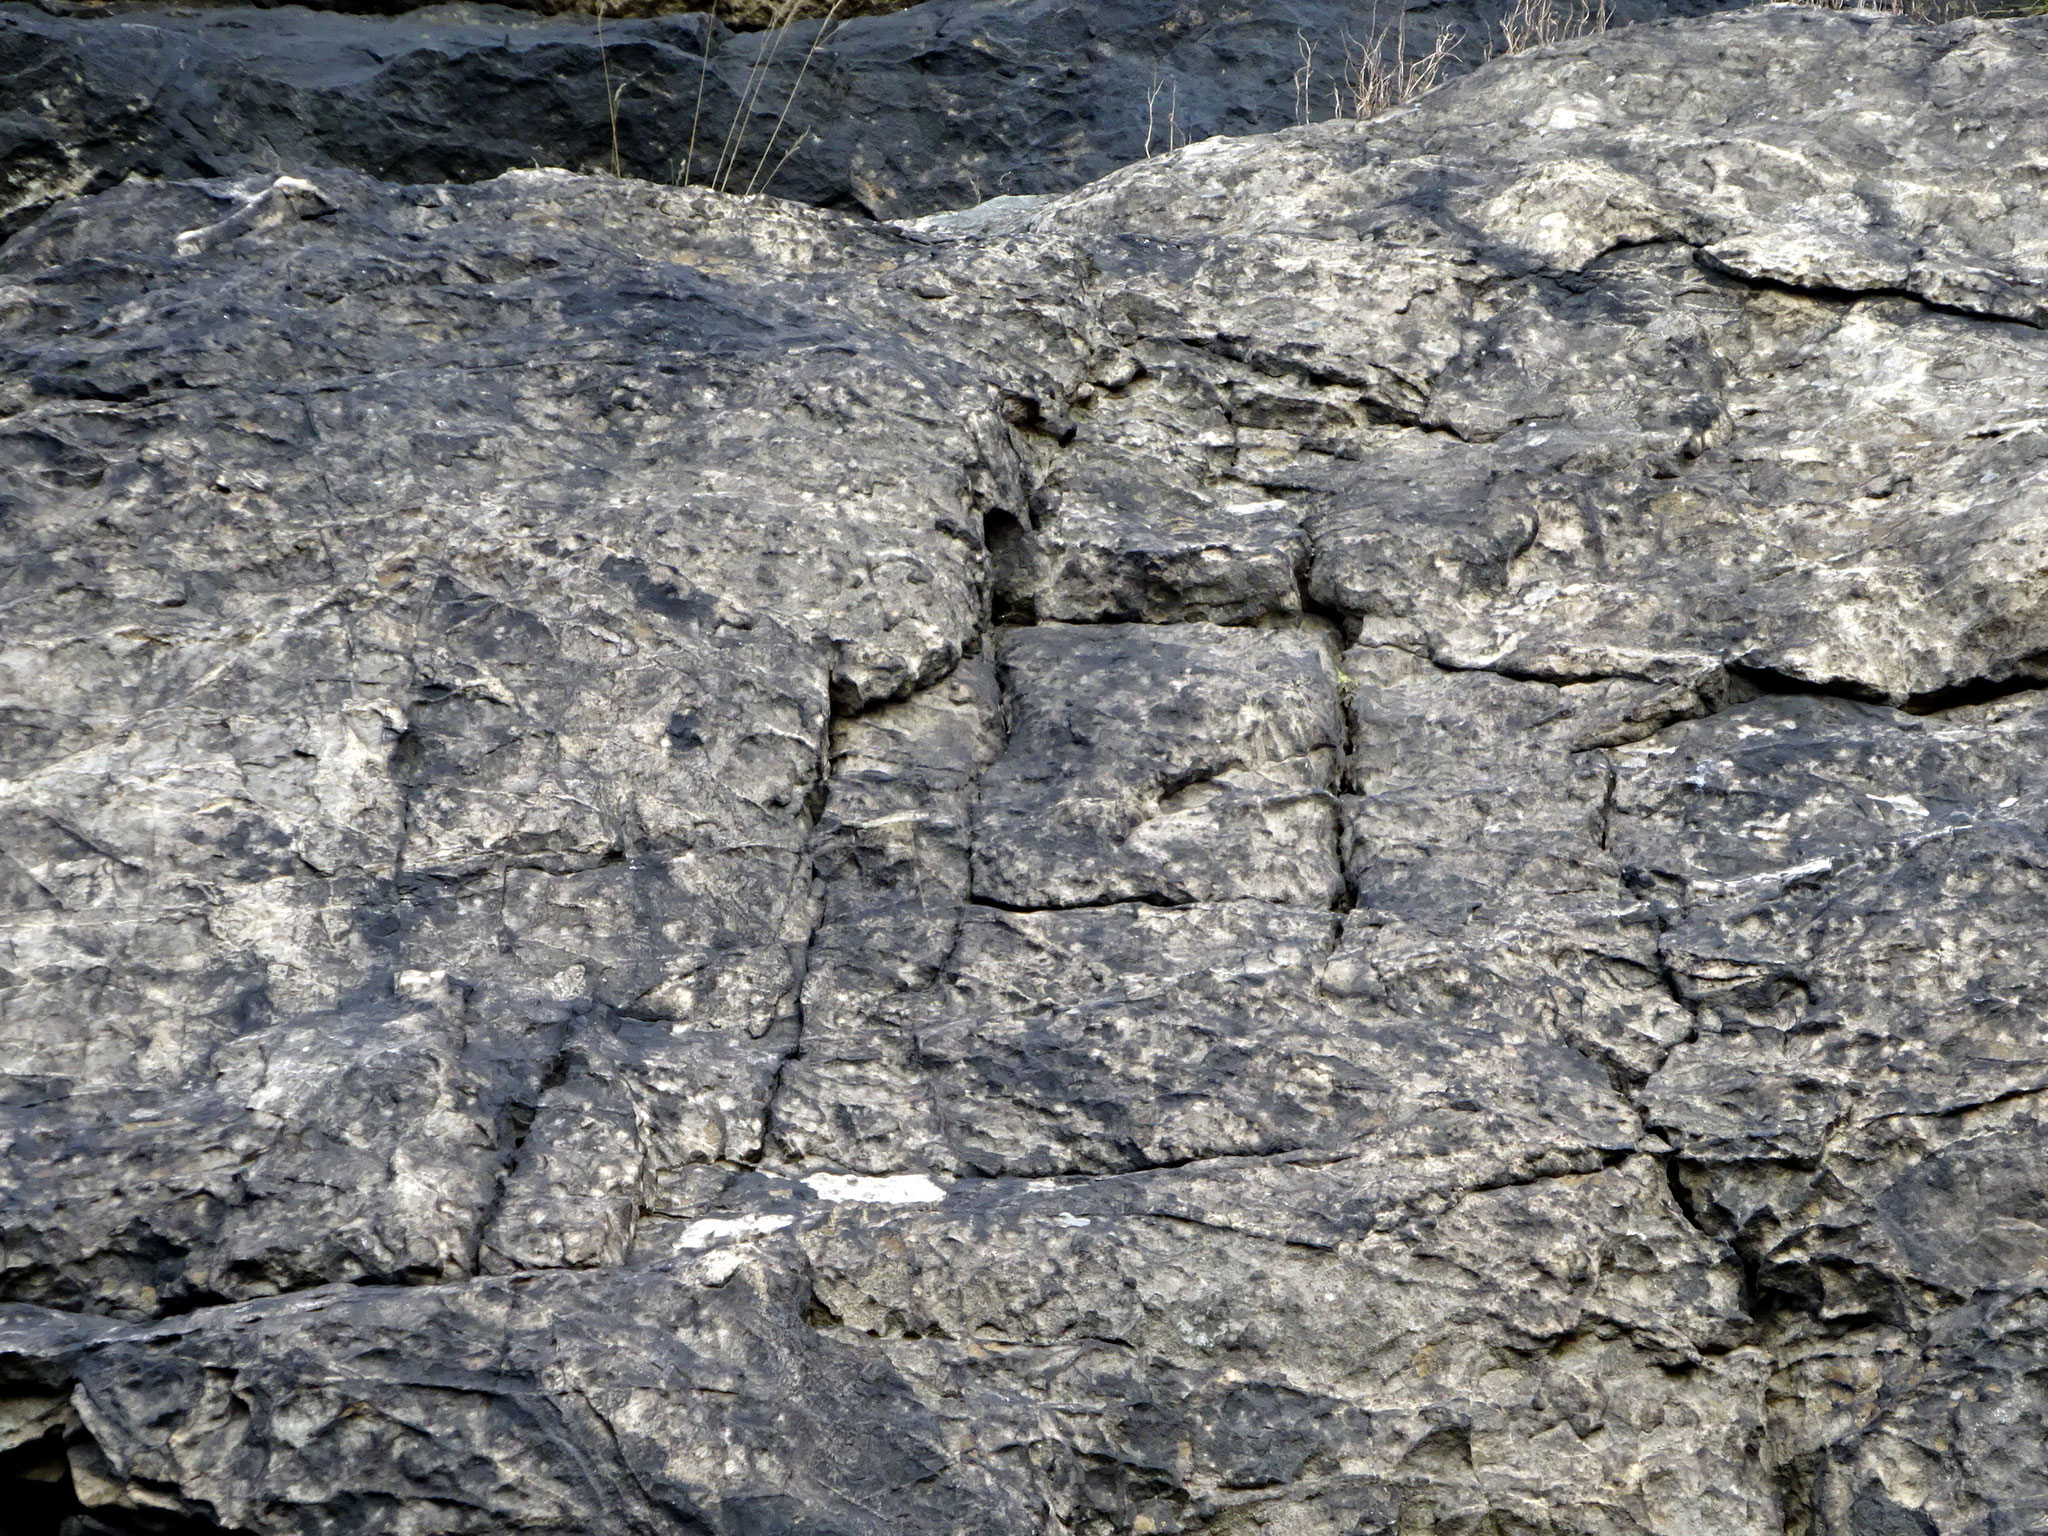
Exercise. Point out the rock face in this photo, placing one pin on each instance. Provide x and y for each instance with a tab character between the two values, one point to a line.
748	13
937	107
1343	836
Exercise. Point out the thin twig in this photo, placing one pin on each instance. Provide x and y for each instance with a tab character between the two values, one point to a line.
611	100
764	60
787	101
696	112
1304	77
738	113
801	140
1377	85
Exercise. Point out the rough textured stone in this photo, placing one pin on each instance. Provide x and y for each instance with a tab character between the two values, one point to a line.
1190	763
502	711
939	106
740	13
1341	836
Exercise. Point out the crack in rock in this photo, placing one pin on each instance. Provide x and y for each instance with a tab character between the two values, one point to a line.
1341	834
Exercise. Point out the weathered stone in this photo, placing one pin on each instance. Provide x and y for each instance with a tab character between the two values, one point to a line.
1340	836
505	708
1190	763
940	106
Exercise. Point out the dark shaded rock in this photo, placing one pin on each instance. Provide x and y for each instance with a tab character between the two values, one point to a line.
681	820
738	13
939	106
535	1404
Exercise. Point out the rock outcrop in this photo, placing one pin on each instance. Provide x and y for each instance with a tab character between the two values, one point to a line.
747	13
943	105
1345	835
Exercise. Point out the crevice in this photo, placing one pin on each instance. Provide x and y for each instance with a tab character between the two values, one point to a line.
39	1498
517	1125
1370	387
1832	294
519	1116
1596	1159
1956	1111
1602	1160
1769	682
1008	538
1295	1157
1150	899
1981	690
1761	1303
767	1149
1757	681
1682	1197
1177	1218
1345	899
1556	677
1608	792
818	1314
1666	972
1346	625
189	1302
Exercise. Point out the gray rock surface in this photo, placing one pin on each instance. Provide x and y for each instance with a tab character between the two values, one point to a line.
937	107
1342	836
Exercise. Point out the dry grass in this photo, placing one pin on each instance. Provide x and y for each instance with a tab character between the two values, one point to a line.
1380	74
731	158
1538	23
1152	124
1380	78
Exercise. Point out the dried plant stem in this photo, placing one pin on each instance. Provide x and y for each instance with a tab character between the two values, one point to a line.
611	97
764	60
1379	83
790	100
1535	23
697	111
1304	77
800	141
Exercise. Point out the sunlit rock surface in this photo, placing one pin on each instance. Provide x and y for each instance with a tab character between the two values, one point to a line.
1343	836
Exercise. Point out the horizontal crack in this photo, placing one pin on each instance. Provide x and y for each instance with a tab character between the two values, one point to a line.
1771	682
1818	290
1148	900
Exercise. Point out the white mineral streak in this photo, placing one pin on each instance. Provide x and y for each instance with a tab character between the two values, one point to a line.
890	1189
